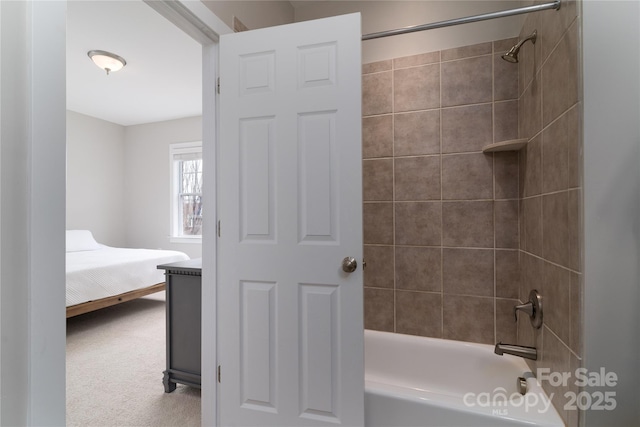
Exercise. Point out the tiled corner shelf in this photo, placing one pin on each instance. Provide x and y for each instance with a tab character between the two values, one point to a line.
510	145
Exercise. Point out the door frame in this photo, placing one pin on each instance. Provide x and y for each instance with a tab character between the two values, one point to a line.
195	19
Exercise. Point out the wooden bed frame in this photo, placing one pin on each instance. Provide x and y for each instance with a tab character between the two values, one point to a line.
88	306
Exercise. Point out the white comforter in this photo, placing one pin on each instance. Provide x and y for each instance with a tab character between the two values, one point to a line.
108	271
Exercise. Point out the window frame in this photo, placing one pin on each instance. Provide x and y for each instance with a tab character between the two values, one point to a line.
175	223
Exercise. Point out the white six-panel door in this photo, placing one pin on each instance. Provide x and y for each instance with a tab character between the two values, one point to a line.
290	206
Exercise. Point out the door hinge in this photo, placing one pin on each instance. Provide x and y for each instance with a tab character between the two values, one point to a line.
218	85
218	373
218	228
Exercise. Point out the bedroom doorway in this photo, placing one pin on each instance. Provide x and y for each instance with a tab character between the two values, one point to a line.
195	19
206	62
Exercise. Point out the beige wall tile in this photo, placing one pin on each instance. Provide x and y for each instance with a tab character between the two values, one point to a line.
506	171
574	418
531	278
377	180
379	309
376	93
415	60
467	128
506	220
532	220
505	120
555	152
418	223
575	230
555	228
502	46
559	82
416	133
468	318
467	224
467	81
417	178
505	77
531	275
467	51
506	326
575	146
557	300
377	136
556	357
577	325
556	59
507	274
376	67
419	313
531	337
530	110
521	224
530	54
467	176
418	268
410	128
531	168
380	266
468	271
377	220
553	25
416	88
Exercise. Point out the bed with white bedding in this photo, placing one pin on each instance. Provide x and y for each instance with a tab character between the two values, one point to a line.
99	276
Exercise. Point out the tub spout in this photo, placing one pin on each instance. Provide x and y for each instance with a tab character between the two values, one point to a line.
517	350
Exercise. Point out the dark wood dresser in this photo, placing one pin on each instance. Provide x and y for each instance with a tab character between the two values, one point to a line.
184	318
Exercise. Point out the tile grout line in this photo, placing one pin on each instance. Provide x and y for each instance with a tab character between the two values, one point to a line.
493	159
441	198
393	192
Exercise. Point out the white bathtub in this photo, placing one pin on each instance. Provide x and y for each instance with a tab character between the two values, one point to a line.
416	381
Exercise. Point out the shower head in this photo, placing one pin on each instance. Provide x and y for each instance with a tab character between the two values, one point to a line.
512	55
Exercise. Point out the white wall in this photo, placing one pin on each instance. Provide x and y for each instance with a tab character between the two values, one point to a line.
385	15
13	193
1	216
146	167
612	202
32	141
118	180
388	15
253	14
95	178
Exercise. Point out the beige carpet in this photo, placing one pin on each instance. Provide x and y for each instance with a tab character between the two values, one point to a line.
115	359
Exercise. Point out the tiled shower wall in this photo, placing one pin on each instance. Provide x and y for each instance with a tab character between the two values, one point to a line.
551	192
441	227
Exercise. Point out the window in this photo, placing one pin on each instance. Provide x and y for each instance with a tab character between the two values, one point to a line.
186	191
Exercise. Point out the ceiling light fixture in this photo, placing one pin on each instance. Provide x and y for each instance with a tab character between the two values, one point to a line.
106	60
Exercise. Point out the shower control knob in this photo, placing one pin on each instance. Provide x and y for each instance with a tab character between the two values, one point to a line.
349	264
533	308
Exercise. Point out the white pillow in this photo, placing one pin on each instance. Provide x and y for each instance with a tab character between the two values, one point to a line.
81	240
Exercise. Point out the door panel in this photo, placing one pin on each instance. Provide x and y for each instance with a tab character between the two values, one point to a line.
257	351
257	167
318	178
290	186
